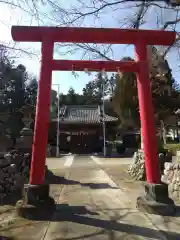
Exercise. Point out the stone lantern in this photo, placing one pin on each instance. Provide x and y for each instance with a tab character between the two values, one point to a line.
27	118
24	143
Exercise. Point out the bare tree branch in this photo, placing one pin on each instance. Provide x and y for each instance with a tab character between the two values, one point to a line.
143	8
171	23
77	14
90	12
96	11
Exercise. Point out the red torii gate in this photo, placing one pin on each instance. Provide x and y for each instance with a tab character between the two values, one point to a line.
140	38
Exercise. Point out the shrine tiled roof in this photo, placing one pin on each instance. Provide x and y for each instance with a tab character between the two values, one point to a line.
82	114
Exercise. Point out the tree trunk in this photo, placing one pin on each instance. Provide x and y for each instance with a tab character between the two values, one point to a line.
163	130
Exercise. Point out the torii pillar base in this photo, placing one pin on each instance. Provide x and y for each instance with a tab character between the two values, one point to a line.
156	200
36	203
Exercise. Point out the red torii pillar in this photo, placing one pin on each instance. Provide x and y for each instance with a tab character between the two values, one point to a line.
140	38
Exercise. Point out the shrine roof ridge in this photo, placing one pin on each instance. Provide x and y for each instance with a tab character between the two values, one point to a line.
83	114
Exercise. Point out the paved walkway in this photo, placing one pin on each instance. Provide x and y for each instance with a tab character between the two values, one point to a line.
95	200
67	161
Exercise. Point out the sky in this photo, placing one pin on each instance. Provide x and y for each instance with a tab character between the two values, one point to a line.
66	79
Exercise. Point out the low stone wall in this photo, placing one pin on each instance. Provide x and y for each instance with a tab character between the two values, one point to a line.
14	172
171	176
10	180
137	169
170	172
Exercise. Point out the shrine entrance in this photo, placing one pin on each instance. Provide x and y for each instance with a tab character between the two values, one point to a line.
81	144
140	38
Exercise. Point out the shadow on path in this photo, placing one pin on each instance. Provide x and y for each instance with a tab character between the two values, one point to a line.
51	178
54	179
7	238
76	214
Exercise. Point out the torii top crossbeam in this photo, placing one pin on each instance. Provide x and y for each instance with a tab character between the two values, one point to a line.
92	35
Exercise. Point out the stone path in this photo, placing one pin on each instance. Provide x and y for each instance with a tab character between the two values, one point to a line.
95	200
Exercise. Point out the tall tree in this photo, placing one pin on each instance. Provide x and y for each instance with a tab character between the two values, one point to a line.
93	89
125	100
71	96
90	94
13	98
15	94
165	96
31	90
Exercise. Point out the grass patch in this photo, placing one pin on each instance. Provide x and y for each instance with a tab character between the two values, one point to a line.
173	147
